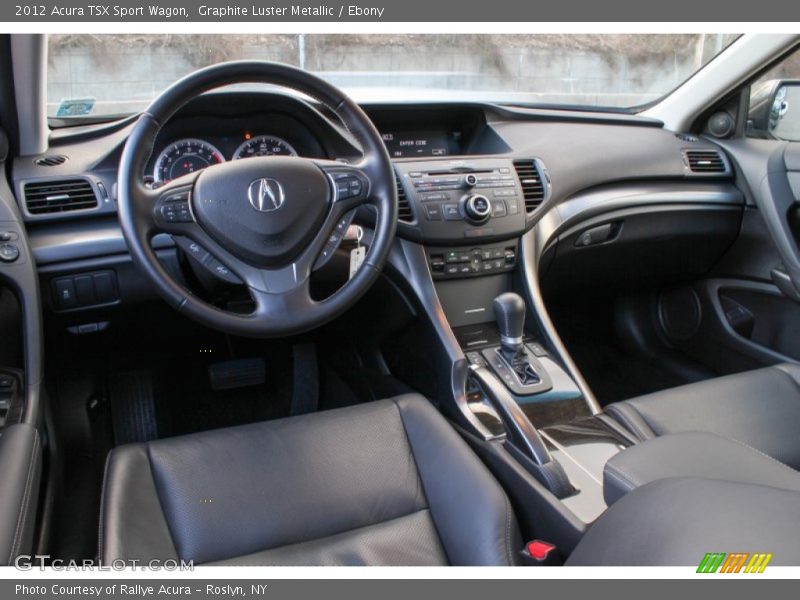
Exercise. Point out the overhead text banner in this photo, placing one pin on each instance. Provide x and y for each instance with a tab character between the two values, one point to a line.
182	11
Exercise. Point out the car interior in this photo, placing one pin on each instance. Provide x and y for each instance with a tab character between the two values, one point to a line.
268	324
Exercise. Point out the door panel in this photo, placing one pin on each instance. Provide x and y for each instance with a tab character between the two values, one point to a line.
750	308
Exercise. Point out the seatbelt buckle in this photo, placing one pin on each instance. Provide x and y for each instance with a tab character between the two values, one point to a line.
540	553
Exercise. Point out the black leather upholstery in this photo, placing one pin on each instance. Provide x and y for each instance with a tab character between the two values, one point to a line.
693	454
675	522
758	408
388	482
20	472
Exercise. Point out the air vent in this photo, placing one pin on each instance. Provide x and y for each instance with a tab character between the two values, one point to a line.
530	179
59	195
51	160
705	161
687	137
404	212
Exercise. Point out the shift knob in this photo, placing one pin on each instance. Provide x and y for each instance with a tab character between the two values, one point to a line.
509	310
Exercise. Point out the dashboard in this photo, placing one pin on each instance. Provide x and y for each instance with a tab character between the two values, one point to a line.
466	172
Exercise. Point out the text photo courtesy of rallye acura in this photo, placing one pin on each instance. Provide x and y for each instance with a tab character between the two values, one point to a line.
290	300
137	590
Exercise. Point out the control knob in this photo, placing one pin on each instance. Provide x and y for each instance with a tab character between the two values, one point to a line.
477	208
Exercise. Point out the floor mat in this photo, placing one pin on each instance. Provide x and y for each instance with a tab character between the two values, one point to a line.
163	377
131	395
186	402
614	372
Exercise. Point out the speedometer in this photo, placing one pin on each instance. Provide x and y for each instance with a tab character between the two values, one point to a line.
264	145
185	156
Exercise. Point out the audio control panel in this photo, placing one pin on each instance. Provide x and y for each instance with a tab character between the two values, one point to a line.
464	201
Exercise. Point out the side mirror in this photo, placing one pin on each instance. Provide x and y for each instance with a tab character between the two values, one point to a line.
775	110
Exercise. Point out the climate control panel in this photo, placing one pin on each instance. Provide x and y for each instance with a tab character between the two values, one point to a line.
455	263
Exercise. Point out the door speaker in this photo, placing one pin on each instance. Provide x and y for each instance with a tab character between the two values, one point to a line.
721	124
679	312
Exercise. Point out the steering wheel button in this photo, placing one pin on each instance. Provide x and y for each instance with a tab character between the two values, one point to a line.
221	271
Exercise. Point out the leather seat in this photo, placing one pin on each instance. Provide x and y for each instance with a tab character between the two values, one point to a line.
384	483
676	521
758	408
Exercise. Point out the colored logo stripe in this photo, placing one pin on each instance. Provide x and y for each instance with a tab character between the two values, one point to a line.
734	562
758	563
711	562
723	562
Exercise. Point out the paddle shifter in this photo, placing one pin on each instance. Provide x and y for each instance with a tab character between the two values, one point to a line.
509	310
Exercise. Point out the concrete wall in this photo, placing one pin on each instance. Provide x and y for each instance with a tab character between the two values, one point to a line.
123	77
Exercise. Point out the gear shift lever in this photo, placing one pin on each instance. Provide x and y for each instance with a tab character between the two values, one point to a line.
509	310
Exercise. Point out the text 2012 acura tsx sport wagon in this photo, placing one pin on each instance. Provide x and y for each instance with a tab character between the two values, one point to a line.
506	300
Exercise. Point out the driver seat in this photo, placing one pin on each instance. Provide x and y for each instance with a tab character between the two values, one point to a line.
384	483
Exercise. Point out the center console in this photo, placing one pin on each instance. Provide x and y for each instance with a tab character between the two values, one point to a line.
472	217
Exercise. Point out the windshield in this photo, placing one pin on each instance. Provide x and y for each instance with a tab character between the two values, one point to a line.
102	75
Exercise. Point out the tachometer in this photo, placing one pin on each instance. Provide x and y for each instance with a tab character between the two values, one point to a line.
185	156
264	145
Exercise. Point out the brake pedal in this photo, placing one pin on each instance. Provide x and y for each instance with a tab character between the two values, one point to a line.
231	374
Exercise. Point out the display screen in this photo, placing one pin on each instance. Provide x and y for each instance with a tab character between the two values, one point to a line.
415	143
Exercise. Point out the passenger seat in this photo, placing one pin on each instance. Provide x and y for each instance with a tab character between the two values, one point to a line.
758	408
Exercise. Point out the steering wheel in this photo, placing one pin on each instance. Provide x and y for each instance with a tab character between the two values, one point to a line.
268	219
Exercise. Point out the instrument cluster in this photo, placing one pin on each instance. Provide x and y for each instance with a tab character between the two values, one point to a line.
191	154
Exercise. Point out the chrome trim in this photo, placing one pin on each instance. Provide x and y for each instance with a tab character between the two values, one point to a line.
594	203
511	341
410	261
529	262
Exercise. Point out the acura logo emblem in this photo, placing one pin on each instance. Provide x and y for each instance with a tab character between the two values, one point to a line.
266	194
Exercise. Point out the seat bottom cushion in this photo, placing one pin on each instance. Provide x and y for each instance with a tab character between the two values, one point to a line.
410	541
386	483
758	408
